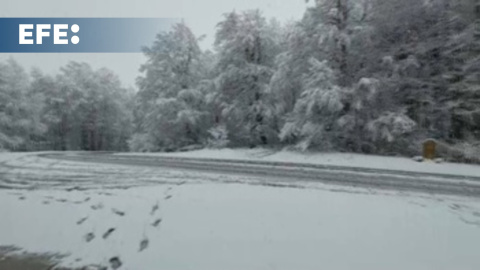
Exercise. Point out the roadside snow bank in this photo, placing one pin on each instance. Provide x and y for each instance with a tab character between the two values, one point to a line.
333	159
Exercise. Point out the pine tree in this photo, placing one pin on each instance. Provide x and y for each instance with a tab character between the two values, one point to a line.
312	123
464	91
20	123
246	54
171	106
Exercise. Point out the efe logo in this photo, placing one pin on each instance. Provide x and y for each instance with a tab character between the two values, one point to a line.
60	33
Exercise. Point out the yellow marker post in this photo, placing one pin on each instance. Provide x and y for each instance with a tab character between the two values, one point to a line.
429	149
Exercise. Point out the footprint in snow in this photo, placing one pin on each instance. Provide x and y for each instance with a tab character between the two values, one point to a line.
22	198
81	221
456	207
115	263
469	222
168	190
168	197
154	209
89	237
157	222
97	206
108	233
118	212
417	204
82	201
143	245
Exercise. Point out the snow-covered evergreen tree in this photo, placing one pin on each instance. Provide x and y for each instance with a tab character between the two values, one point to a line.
246	54
171	109
372	121
312	123
20	109
463	99
88	110
299	45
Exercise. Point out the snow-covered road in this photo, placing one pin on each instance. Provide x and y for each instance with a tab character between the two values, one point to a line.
289	173
154	218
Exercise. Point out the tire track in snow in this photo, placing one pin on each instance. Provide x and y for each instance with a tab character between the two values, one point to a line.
274	172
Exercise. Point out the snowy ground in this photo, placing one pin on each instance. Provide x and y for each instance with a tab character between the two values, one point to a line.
333	159
168	219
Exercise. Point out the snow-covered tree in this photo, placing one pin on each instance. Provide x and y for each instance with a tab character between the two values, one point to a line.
173	64
171	109
299	45
412	40
312	123
334	31
372	121
390	126
79	109
463	99
342	32
246	48
91	110
20	109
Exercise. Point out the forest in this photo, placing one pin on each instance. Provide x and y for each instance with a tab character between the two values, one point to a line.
361	76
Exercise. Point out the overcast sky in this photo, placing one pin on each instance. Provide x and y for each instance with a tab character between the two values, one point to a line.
200	15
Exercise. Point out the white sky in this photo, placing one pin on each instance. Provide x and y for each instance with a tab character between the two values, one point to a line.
200	15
